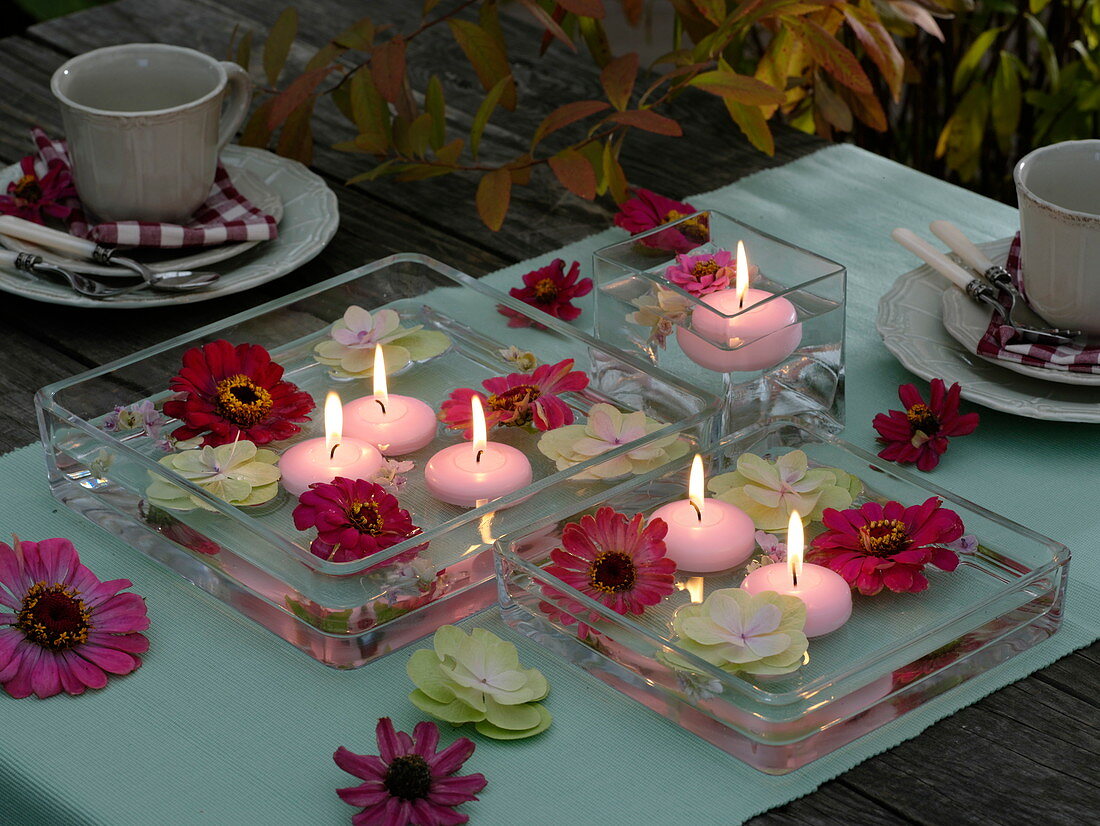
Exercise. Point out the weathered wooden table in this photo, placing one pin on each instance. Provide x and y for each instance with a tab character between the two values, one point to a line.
1029	753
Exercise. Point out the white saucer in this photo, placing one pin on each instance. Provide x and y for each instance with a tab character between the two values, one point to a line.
309	221
911	323
251	186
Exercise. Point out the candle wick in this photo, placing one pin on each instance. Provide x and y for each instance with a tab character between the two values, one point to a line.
478	457
382	406
741	302
332	452
794	578
698	510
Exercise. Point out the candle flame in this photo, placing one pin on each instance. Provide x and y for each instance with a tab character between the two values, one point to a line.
334	421
795	544
696	486
381	391
742	284
477	414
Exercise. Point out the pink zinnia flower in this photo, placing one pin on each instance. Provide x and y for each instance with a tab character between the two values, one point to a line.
550	289
647	210
703	274
519	399
354	518
232	392
887	545
408	782
920	433
618	561
40	192
61	629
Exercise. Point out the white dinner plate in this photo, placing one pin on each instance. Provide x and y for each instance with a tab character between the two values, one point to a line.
911	323
309	220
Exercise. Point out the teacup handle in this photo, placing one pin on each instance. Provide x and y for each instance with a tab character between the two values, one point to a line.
238	95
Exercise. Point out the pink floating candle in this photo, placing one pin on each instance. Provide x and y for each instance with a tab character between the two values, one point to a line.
827	596
394	424
705	535
322	460
770	330
472	474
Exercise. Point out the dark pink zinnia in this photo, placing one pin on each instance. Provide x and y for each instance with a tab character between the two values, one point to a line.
518	399
703	274
646	210
61	628
618	561
354	518
920	433
35	196
408	782
550	289
235	392
876	546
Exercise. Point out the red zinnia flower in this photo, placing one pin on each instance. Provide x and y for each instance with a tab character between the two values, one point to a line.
61	629
519	399
647	210
920	433
887	545
40	192
618	561
408	782
235	392
551	290
354	518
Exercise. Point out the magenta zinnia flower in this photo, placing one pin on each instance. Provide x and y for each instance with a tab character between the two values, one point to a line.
61	629
519	399
551	290
703	274
235	392
354	518
618	561
42	191
920	433
408	782
647	210
887	545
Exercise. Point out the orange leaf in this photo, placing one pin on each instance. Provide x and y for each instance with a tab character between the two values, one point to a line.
494	192
584	8
650	121
486	53
387	68
878	44
618	78
295	95
547	22
830	53
296	137
575	173
565	115
633	10
741	88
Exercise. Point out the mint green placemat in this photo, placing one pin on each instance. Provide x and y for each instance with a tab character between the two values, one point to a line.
226	724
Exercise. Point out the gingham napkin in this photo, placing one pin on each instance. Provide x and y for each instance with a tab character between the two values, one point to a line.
226	215
1001	342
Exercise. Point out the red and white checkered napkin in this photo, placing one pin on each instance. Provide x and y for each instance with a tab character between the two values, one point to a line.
1001	342
226	215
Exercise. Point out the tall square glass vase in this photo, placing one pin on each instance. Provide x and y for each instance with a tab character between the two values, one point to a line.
775	351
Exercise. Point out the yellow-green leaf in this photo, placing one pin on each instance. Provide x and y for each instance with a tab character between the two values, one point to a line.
648	120
494	192
547	22
830	106
359	36
244	51
741	88
713	10
752	122
618	78
593	151
574	172
1036	6
595	37
434	106
449	153
972	58
487	55
565	115
256	131
422	171
830	53
389	167
616	179
1006	101
484	112
420	134
277	45
370	113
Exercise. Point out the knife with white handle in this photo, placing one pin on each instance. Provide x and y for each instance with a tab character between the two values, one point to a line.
941	263
45	237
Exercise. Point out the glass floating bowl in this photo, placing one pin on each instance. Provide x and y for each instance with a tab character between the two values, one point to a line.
781	357
253	559
896	652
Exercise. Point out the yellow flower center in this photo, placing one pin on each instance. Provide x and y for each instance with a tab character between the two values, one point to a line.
612	572
365	518
884	537
546	289
518	401
708	267
28	189
922	418
54	617
241	401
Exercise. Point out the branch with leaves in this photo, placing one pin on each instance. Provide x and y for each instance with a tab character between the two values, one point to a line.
810	61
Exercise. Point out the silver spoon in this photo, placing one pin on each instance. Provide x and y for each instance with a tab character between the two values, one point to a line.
172	281
80	284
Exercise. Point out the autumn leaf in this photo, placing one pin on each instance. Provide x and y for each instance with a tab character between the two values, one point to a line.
486	54
494	192
830	53
831	106
370	113
244	51
741	88
618	78
553	28
595	37
575	173
387	68
256	131
584	8
295	95
436	108
753	123
484	112
296	137
613	170
449	153
650	121
713	10
277	45
878	44
565	115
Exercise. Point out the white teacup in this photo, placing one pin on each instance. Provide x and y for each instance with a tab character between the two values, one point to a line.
1058	189
145	124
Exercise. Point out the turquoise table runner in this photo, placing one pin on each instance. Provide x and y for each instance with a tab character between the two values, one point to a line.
226	724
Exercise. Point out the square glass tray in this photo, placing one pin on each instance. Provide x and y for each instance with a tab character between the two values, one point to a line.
896	652
253	559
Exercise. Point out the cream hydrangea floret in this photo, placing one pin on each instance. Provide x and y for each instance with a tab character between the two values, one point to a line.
239	473
349	352
769	491
605	429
